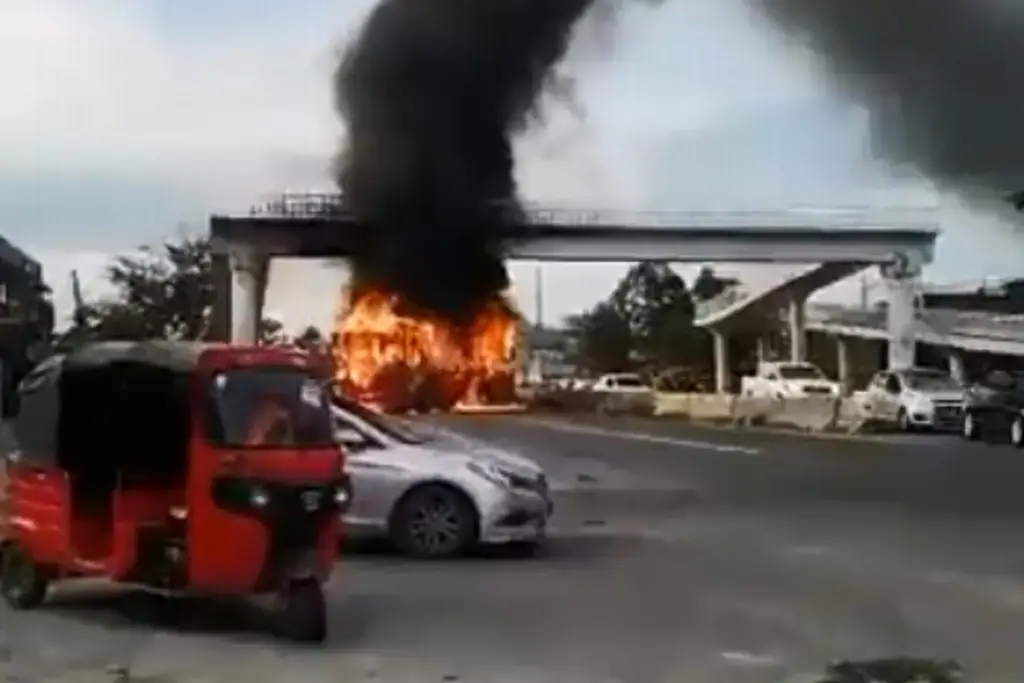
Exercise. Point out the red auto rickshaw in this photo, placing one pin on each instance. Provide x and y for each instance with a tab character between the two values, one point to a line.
183	468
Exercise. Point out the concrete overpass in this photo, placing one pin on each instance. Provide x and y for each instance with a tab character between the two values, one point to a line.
321	226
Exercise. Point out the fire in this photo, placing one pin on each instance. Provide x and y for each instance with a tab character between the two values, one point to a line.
399	362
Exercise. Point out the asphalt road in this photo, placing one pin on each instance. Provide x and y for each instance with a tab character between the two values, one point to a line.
678	554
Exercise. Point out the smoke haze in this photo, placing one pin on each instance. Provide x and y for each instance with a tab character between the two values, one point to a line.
432	94
943	80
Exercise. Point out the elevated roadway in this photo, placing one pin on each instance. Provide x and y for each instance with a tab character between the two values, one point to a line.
321	226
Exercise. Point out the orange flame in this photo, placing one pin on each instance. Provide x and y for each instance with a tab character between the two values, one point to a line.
400	362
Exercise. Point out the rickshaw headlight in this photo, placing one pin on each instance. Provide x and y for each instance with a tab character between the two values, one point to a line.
342	496
259	498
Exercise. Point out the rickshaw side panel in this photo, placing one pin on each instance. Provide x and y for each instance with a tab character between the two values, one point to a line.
134	509
38	492
38	512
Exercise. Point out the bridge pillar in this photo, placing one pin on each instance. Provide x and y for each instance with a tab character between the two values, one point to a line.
722	371
250	268
957	370
902	282
843	363
797	331
219	326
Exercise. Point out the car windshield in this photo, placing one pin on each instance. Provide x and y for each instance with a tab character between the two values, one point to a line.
933	381
799	372
628	381
389	426
269	407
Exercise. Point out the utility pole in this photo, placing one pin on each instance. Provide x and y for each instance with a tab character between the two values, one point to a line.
538	288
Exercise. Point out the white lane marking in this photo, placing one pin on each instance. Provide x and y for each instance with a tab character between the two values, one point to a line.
643	438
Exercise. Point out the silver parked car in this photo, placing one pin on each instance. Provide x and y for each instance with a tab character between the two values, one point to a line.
434	495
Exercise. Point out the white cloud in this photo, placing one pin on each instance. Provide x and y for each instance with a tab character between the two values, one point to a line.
98	86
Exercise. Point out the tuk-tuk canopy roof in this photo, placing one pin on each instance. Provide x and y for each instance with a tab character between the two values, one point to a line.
37	425
173	355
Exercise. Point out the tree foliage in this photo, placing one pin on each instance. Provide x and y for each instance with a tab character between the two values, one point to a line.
601	338
707	285
162	293
647	321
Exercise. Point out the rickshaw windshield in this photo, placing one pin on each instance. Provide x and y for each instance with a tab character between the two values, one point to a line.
269	407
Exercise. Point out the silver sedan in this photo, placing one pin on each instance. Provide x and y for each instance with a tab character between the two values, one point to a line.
433	495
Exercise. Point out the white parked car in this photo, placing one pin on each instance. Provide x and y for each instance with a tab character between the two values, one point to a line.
915	398
434	495
789	380
621	383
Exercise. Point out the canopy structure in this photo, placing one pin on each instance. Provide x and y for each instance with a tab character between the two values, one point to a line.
37	424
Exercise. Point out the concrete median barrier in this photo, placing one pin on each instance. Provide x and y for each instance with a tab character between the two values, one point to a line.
807	413
706	407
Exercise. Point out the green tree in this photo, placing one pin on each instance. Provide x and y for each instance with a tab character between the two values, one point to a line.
310	338
271	331
162	293
654	300
707	285
601	339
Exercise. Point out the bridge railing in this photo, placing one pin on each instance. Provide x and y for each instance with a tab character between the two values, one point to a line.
326	205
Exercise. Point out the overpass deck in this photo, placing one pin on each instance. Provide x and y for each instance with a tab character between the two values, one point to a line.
321	226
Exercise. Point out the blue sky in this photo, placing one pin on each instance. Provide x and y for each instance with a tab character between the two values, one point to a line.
124	122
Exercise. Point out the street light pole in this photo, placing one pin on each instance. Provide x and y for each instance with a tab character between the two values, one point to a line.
538	287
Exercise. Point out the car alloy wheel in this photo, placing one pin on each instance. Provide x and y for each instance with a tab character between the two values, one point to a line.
434	522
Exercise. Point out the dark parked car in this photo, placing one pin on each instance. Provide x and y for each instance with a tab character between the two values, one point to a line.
994	409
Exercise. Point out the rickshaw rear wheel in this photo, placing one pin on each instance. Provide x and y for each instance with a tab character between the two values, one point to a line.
22	582
305	612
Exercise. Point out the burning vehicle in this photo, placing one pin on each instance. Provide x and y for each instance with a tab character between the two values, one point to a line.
397	361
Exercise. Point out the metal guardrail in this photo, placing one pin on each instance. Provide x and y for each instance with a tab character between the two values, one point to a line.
333	206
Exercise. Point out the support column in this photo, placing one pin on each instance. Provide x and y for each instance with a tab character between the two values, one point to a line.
902	280
797	331
843	363
249	268
762	350
723	376
219	323
957	370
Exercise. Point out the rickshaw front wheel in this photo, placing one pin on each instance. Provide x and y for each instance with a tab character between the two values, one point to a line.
305	612
22	581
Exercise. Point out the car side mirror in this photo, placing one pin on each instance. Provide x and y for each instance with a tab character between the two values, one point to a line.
349	438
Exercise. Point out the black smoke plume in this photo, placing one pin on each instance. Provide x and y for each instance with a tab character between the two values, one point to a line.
432	92
942	79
